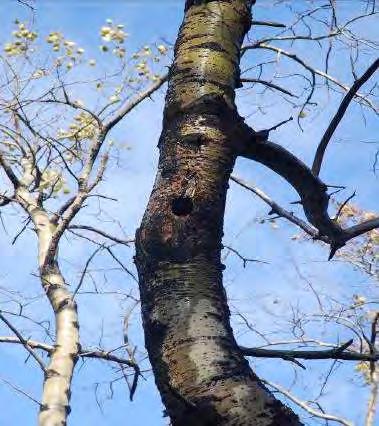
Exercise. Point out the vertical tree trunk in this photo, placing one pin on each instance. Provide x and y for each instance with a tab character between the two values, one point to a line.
55	404
373	399
56	394
199	370
57	384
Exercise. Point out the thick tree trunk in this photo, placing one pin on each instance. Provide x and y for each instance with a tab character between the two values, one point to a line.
199	370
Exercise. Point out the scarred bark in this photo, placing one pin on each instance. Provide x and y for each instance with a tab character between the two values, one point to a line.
201	373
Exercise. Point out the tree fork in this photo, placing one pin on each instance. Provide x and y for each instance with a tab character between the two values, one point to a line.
199	369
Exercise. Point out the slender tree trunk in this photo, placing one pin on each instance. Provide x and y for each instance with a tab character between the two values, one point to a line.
57	385
55	404
199	370
373	399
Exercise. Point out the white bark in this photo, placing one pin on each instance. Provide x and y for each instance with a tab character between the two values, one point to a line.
55	404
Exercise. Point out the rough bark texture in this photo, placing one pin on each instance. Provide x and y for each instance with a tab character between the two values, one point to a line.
201	374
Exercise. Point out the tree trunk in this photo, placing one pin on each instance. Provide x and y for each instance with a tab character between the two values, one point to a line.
199	370
55	404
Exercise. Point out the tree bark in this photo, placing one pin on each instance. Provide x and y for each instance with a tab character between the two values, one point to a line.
199	369
55	404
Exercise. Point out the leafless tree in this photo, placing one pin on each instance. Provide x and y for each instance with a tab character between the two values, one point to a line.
200	370
50	174
54	157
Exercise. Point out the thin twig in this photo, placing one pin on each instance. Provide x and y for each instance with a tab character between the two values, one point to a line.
24	342
103	234
268	84
19	390
305	406
275	208
89	260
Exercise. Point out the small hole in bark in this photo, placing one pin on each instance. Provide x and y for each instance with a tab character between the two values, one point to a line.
181	206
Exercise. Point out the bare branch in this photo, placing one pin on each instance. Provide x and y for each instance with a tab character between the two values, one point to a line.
28	4
268	84
343	205
9	171
121	264
306	407
103	234
107	356
280	211
24	342
338	352
85	352
131	105
4	200
19	390
339	115
315	71
31	343
89	260
362	228
245	260
268	24
312	191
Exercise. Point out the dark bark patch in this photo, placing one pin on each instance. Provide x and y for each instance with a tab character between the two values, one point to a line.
62	305
281	415
51	373
209	45
194	141
190	3
181	206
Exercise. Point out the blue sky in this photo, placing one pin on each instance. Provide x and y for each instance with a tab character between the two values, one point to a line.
266	294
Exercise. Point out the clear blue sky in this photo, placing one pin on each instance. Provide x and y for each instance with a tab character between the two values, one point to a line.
267	294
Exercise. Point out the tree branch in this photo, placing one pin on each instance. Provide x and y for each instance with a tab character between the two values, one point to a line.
19	390
339	115
338	352
306	407
85	353
131	105
313	71
268	24
312	191
89	260
268	84
103	234
24	342
362	228
9	171
280	211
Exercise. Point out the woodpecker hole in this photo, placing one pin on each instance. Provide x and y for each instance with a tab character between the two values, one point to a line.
181	206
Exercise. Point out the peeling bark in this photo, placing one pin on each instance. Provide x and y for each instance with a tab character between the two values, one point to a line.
200	371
